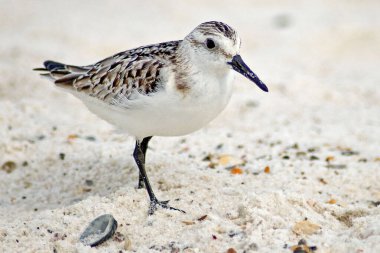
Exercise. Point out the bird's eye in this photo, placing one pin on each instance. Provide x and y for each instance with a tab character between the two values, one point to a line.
210	44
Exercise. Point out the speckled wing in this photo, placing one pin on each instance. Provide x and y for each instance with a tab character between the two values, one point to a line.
120	77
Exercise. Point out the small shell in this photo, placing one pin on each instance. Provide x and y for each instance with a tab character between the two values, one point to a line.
99	230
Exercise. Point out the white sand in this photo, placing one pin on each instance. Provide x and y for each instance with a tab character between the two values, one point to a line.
320	61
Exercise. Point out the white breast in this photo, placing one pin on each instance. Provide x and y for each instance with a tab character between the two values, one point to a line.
169	112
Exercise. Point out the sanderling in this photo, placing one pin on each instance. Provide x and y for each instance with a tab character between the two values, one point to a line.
166	89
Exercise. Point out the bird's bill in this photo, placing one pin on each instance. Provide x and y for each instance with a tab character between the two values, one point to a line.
238	65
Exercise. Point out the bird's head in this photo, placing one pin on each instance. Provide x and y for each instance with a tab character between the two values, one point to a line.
216	45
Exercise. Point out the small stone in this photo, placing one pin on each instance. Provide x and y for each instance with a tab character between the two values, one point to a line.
207	158
85	189
72	137
305	227
301	153
127	243
313	157
90	138
231	250
349	152
99	230
224	159
62	156
323	181
242	212
219	146
236	171
312	150
89	182
202	217
41	137
336	166
188	222
8	166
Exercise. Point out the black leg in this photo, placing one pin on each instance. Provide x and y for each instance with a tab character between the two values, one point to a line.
144	147
139	156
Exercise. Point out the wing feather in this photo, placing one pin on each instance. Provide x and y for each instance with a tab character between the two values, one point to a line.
118	78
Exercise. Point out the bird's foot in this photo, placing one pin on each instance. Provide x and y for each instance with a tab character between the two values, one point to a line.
164	204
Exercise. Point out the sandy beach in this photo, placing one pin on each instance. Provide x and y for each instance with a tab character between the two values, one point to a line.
299	162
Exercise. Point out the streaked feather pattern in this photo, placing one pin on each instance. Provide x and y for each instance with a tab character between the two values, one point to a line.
118	76
166	89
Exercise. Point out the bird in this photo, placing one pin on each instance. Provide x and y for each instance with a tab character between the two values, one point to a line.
166	89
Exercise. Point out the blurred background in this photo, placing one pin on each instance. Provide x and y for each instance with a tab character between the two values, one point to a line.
287	43
320	60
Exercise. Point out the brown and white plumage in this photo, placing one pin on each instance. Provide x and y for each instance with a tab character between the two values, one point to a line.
118	76
166	89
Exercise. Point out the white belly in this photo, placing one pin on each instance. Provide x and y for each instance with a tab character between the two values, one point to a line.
167	113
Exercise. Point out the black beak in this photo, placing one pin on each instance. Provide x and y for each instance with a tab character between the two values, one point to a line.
238	65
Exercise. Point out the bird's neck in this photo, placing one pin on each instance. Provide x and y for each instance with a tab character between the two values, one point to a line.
194	75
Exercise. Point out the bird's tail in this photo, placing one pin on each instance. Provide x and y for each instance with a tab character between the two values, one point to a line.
62	73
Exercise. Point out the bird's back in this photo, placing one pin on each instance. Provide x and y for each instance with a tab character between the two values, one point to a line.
119	76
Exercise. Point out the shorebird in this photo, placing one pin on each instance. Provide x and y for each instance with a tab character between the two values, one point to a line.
166	89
